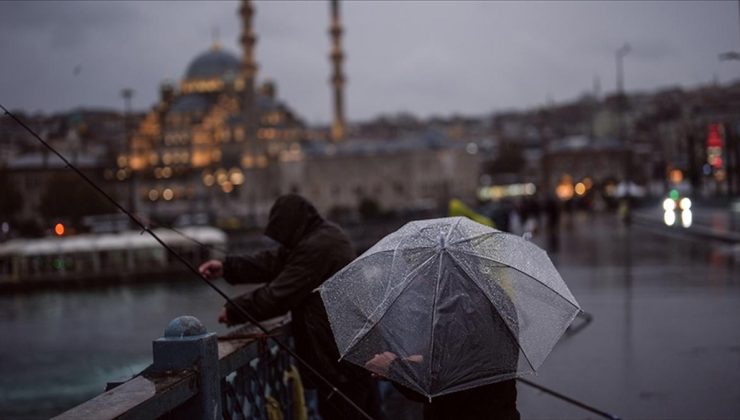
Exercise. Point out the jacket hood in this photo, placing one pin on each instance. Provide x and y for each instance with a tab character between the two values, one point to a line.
292	217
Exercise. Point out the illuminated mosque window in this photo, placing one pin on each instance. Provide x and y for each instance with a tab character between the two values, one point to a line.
239	134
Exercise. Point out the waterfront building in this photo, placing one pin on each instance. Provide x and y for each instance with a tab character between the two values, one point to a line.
422	171
210	143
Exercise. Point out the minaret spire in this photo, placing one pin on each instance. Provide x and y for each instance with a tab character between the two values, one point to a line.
249	98
216	35
248	39
337	79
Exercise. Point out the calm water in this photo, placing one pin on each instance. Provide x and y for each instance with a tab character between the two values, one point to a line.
59	349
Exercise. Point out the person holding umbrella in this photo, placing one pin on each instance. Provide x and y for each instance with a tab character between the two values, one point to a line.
311	250
453	311
492	401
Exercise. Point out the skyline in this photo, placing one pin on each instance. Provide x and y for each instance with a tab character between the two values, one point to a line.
426	58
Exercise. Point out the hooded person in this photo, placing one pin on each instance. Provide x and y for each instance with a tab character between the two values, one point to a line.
311	250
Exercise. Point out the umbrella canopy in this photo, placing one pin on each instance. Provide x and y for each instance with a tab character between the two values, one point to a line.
454	303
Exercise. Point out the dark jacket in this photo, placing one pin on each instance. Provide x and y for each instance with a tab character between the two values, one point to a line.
495	401
311	251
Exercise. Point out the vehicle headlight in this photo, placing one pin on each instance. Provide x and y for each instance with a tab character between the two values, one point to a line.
685	203
669	204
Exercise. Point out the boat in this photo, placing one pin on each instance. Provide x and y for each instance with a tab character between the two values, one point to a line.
99	259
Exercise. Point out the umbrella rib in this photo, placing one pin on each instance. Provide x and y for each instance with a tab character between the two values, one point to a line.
474	237
449	232
364	257
516	269
434	313
365	328
508	328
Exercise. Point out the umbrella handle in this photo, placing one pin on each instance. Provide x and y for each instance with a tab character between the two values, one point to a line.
570	400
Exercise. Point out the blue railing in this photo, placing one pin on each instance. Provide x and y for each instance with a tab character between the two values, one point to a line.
196	374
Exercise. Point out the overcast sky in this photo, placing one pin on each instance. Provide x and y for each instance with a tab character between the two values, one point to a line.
426	57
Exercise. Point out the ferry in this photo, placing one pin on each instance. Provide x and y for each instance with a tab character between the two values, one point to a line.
97	259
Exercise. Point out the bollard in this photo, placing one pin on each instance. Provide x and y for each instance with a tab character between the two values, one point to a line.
186	345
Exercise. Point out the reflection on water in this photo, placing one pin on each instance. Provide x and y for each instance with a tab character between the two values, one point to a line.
60	348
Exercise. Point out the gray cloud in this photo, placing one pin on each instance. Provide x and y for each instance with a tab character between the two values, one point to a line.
428	57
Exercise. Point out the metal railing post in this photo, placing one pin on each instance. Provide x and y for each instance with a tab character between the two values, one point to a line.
187	345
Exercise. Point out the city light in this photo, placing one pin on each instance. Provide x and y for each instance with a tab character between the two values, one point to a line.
669	217
208	180
236	176
580	188
669	204
497	192
168	194
153	194
685	203
686	218
676	176
564	191
59	229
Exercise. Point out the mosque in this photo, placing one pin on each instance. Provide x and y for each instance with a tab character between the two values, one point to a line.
212	142
219	144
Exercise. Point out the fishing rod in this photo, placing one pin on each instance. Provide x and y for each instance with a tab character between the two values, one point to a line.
195	271
569	400
187	237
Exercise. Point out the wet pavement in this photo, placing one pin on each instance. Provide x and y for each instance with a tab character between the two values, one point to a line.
665	337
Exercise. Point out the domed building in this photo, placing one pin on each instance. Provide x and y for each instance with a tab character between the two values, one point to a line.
214	63
208	144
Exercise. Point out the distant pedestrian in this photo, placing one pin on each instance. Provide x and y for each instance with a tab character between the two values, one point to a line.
311	250
552	215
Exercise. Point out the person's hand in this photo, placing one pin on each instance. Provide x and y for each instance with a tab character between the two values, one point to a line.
223	317
212	269
415	358
380	363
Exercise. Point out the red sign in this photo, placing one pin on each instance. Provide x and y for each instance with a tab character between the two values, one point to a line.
714	138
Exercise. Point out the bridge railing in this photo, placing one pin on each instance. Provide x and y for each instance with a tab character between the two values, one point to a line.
196	374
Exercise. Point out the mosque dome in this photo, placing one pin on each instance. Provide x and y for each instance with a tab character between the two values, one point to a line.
213	63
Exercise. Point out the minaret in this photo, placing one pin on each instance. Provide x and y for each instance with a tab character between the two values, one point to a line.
248	97
248	39
337	78
248	77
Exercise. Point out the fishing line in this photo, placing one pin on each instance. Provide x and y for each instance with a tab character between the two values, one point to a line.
570	400
179	257
187	237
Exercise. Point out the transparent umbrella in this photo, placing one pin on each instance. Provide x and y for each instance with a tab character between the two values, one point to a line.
450	304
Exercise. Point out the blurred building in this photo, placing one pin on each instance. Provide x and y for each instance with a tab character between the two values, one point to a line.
421	171
38	188
210	144
217	144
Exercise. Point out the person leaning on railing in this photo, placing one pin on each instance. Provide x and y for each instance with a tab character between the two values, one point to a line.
311	250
